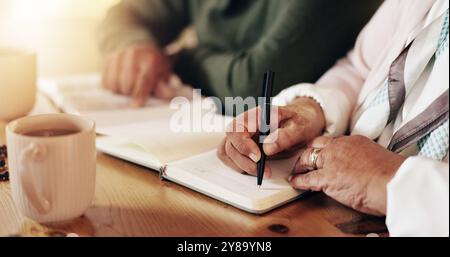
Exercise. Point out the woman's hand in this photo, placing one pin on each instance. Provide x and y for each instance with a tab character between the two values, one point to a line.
138	71
353	170
296	125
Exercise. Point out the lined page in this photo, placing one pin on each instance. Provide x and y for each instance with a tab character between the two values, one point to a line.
207	174
157	138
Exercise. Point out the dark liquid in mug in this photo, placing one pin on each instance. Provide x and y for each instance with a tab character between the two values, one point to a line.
50	132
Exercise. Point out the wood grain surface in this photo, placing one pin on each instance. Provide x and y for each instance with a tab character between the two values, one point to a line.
132	201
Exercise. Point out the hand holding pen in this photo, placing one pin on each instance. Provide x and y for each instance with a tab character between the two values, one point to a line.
264	127
293	125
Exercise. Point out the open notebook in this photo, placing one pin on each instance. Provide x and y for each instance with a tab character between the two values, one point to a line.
144	136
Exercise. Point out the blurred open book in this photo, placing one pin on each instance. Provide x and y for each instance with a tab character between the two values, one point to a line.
146	136
84	94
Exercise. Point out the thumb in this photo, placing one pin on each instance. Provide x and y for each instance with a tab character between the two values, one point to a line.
284	138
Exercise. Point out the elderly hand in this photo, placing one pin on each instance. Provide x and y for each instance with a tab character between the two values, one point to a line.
138	70
297	123
353	170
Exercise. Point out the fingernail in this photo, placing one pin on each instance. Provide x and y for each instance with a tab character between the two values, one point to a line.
253	157
290	178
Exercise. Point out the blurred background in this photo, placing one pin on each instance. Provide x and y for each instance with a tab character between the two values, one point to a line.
61	32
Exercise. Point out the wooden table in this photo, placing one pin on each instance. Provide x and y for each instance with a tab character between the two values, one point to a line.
132	201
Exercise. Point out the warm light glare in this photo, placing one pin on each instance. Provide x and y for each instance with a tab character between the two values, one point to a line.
61	32
32	9
44	9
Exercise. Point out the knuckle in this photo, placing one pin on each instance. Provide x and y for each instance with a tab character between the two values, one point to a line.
324	158
298	120
333	144
228	148
242	147
234	139
331	159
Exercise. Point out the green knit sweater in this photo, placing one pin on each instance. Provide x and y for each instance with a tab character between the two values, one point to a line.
240	39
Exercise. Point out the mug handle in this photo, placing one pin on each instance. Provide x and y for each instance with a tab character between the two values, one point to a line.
34	152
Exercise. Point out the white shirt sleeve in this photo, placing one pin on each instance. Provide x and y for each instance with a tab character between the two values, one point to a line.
418	199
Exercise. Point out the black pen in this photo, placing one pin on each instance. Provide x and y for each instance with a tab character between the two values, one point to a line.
264	125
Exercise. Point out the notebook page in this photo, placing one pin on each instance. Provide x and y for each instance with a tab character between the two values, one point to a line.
128	151
157	138
105	119
207	174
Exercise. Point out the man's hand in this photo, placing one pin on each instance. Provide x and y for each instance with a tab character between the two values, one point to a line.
138	71
353	170
297	124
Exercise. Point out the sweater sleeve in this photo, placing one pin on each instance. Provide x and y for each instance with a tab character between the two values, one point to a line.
296	44
133	21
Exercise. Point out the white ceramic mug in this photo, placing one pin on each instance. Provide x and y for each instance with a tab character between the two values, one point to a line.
52	177
17	83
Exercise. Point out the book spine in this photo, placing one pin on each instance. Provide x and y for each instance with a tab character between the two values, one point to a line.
162	172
